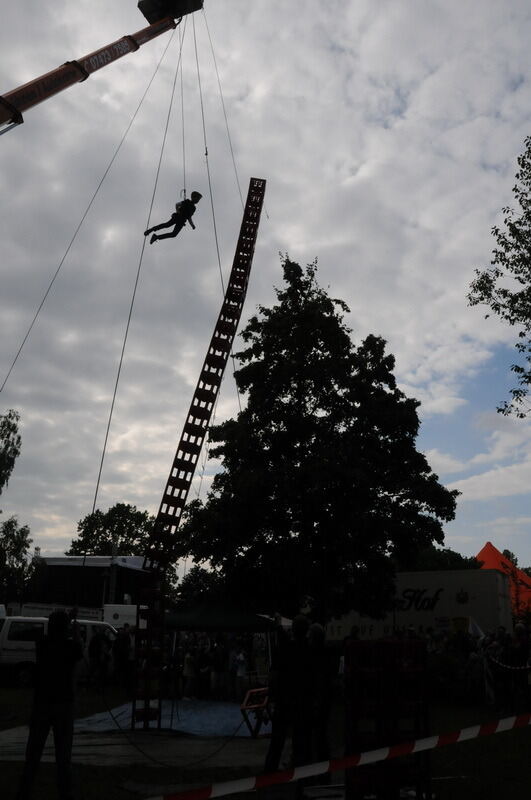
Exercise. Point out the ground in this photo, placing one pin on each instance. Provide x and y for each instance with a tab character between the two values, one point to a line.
127	766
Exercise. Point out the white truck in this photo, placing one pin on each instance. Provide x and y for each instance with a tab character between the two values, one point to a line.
116	614
17	643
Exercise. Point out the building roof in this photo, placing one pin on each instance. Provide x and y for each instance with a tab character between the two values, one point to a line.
128	562
217	616
519	581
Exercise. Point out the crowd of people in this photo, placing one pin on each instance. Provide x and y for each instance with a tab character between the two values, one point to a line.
111	660
301	671
492	668
215	667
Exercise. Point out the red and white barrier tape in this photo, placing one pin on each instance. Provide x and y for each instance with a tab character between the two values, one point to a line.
358	760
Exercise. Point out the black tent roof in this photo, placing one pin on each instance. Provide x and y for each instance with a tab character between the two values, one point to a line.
217	616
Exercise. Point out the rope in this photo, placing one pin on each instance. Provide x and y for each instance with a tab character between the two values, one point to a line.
182	119
206	451
133	297
210	181
520	668
206	158
225	114
224	110
85	213
138	748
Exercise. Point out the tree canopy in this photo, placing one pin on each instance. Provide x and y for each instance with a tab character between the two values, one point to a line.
505	286
15	567
436	558
321	483
121	530
199	584
9	445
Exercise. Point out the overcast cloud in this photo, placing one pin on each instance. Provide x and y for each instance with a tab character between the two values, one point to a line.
388	133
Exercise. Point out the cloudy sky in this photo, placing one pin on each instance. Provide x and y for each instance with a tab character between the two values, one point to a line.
388	132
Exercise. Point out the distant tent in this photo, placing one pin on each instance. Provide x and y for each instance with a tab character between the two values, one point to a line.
519	581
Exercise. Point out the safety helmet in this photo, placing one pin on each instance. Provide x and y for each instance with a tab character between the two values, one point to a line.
195	196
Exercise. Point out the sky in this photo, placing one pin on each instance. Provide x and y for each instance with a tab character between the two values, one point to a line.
388	133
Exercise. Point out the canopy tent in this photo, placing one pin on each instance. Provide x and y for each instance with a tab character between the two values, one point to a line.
519	581
217	616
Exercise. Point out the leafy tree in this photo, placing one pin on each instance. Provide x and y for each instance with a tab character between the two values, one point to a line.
199	583
505	286
15	567
320	482
122	530
436	558
510	556
9	445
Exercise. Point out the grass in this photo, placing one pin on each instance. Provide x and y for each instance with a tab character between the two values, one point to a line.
489	768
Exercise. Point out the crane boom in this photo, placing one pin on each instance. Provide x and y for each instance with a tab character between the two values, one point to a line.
30	94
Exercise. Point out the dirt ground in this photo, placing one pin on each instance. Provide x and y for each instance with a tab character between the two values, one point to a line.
126	766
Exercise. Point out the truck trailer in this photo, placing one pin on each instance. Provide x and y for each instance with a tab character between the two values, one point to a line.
476	600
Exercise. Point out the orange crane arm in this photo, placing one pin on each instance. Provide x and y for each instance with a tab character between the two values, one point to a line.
30	94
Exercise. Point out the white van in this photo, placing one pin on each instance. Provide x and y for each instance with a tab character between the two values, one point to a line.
17	643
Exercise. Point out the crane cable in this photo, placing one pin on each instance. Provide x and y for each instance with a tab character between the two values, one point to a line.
209	178
224	109
210	182
206	157
181	42
229	138
225	113
85	214
137	278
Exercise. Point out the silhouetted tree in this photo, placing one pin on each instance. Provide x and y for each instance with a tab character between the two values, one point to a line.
321	481
436	558
510	556
505	286
9	445
15	565
198	584
122	530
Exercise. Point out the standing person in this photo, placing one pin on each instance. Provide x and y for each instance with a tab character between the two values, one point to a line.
189	675
241	674
219	670
289	693
183	213
99	652
322	676
233	669
121	652
57	655
203	667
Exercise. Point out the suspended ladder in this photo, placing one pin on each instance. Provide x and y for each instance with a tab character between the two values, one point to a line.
161	548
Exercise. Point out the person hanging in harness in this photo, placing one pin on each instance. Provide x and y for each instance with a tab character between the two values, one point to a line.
183	213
